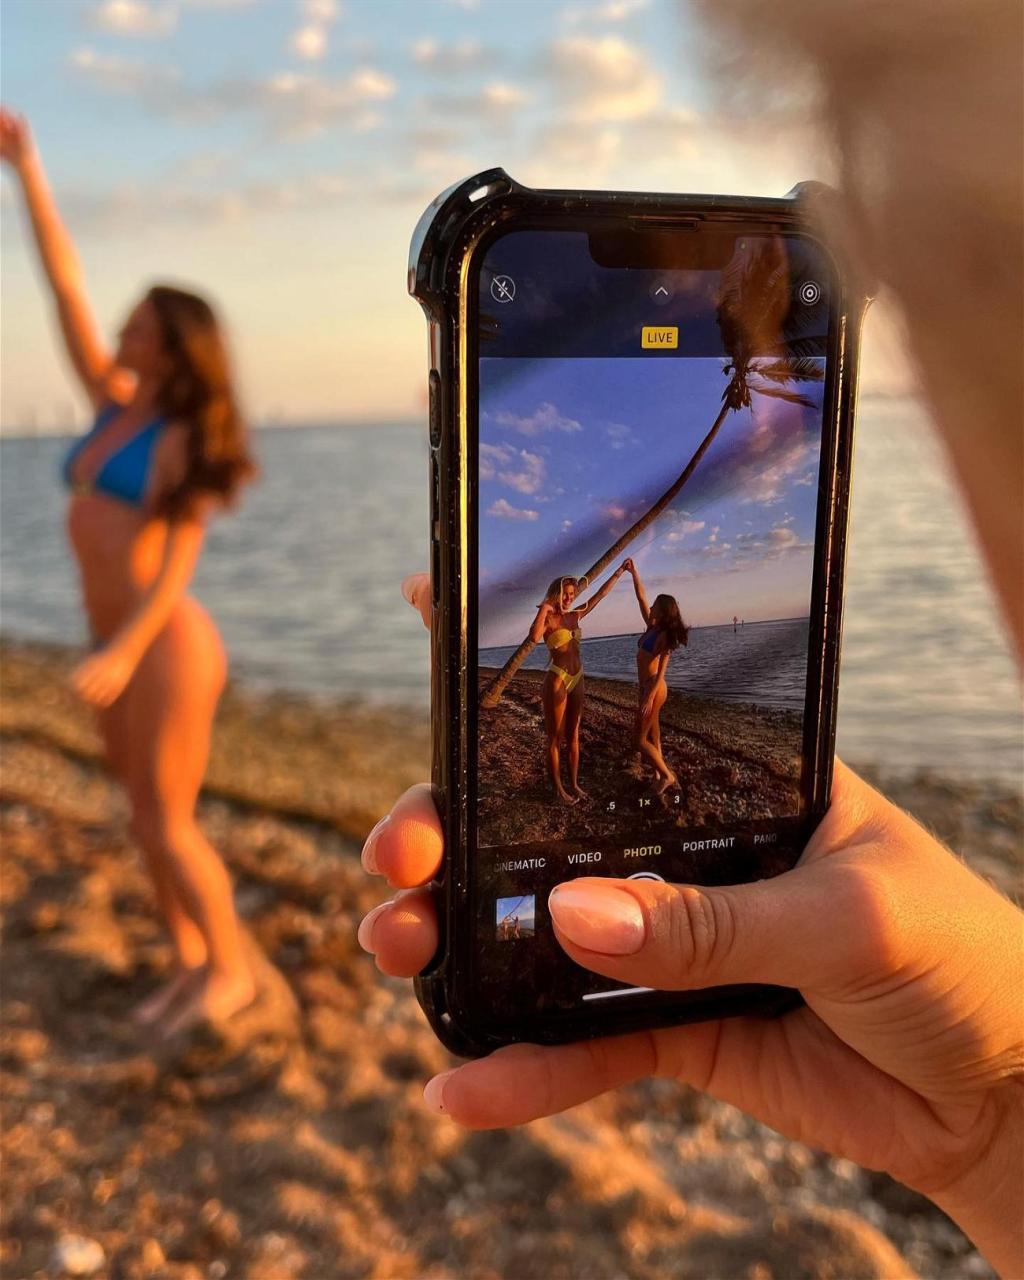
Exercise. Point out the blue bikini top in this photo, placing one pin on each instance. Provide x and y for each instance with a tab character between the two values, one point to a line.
125	474
649	640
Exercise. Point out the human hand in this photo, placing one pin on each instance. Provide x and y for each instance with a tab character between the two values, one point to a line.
101	678
906	1058
628	566
16	145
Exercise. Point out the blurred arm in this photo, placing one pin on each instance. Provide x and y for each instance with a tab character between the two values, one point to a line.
90	358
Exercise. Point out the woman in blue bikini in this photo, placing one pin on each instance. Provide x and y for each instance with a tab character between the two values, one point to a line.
166	449
665	632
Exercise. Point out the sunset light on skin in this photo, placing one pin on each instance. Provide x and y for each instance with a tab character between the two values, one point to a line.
280	151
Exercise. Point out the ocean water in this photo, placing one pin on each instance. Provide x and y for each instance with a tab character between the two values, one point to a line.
303	582
762	662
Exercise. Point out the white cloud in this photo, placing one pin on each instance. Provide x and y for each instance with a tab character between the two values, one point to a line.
620	435
518	468
504	510
778	541
494	102
449	59
121	75
544	418
680	529
603	78
309	40
133	18
500	95
170	201
610	11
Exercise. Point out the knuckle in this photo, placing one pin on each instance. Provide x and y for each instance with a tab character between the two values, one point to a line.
701	930
876	933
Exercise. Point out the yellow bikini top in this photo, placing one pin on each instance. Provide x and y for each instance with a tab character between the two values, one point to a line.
560	638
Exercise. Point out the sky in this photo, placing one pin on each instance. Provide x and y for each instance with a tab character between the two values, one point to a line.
574	451
276	154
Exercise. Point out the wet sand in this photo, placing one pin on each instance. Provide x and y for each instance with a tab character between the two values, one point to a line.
735	762
295	1144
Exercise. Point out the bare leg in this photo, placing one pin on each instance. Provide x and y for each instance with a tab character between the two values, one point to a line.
670	779
649	741
189	947
554	702
175	693
573	715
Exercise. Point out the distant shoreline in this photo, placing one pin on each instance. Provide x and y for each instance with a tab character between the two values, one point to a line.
625	635
343	762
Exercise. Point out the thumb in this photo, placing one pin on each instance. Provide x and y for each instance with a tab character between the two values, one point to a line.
682	937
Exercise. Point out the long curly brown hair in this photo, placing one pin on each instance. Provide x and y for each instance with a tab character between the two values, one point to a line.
666	617
199	393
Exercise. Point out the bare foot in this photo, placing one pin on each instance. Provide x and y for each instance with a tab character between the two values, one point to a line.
578	791
564	796
215	999
158	1004
667	784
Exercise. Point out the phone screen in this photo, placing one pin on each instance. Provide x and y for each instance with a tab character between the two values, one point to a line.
650	510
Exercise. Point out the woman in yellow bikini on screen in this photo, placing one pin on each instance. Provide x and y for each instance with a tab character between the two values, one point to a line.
558	625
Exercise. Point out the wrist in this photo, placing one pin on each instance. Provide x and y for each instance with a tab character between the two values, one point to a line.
128	645
985	1200
29	165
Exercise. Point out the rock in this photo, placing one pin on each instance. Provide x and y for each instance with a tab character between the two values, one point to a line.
813	1244
78	1256
152	1255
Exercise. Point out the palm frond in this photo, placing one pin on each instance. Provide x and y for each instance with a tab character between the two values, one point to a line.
799	370
793	397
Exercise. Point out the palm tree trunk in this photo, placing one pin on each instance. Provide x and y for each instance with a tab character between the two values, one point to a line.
497	687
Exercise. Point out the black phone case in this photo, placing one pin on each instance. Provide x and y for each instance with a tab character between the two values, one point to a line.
442	246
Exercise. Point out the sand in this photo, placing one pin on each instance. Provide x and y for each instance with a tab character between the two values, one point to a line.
735	762
296	1146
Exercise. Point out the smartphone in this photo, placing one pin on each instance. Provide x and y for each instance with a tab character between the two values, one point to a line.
664	383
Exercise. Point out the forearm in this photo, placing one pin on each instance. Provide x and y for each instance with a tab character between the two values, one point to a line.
56	248
170	585
987	1202
596	600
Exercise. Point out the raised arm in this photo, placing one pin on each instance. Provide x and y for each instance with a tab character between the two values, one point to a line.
90	358
641	594
596	599
537	630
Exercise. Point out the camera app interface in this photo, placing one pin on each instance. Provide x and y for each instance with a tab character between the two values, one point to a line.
648	453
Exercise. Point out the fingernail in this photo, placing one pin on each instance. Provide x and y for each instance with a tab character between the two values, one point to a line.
369	854
364	934
433	1092
598	917
409	585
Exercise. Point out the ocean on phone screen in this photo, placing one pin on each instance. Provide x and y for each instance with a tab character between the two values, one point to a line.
759	662
303	582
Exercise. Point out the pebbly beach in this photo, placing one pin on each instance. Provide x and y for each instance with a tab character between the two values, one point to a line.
297	1145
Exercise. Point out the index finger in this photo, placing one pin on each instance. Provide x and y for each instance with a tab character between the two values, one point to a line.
407	846
416	590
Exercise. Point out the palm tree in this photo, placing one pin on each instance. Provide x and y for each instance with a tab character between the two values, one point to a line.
754	300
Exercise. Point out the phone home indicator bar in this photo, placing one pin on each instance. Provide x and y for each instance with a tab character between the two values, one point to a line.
621	991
